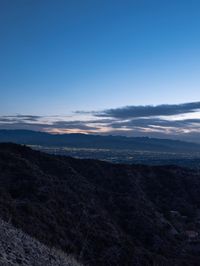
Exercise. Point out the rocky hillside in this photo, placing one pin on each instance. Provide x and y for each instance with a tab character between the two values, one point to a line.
101	213
17	248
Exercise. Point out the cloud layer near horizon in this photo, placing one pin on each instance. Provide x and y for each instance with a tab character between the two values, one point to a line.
128	112
180	121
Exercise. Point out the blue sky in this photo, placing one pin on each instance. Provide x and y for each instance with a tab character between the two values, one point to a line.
60	56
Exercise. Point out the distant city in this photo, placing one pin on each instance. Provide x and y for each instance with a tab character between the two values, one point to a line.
191	160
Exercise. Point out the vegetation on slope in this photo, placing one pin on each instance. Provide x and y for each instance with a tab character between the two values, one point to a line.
103	214
17	248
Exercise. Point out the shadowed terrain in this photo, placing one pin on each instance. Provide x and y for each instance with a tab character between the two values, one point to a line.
102	213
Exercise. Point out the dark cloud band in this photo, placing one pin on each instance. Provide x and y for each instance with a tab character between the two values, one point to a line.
128	112
131	121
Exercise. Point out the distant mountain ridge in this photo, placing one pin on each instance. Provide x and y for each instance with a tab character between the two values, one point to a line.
97	141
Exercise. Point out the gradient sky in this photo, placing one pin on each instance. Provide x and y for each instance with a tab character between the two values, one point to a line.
61	56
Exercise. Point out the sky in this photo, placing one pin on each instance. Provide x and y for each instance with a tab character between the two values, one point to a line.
77	66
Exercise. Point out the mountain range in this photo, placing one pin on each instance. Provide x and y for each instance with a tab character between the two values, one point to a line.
97	141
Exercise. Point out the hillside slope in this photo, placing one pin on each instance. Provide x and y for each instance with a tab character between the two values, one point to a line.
17	248
103	214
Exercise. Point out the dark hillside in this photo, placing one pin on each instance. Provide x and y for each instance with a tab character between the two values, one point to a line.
102	213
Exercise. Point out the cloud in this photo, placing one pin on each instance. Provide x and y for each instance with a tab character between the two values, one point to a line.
180	121
150	122
81	125
128	112
18	117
